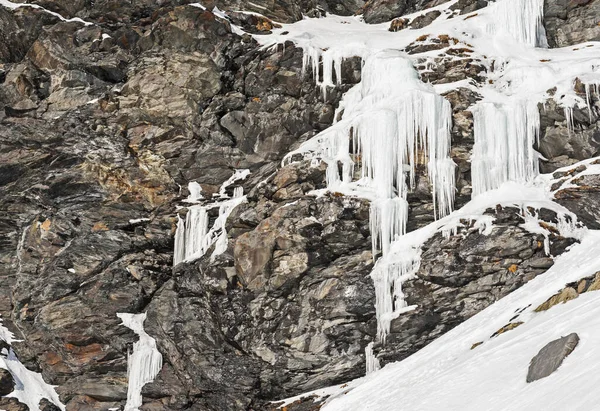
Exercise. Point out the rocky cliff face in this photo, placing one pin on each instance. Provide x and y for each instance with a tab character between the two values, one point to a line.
110	108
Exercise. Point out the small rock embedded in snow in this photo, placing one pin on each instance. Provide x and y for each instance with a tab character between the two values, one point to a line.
551	357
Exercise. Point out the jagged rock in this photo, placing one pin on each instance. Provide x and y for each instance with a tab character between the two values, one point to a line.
551	356
7	382
398	24
570	22
46	405
565	295
571	292
379	11
506	328
583	199
175	87
12	404
463	274
424	19
468	6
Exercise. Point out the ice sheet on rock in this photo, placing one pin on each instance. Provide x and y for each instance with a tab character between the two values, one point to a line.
193	236
391	124
504	138
143	364
521	19
30	387
372	363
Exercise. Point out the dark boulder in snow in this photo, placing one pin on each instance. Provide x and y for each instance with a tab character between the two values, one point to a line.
551	357
7	383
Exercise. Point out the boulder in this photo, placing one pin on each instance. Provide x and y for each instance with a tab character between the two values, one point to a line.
551	357
7	382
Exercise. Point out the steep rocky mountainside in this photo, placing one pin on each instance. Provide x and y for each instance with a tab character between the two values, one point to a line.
109	109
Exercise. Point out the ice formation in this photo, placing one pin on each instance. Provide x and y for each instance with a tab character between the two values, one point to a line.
30	387
143	364
505	135
521	19
372	361
193	237
392	123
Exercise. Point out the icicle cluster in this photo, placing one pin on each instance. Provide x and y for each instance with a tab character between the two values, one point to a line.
522	19
591	89
191	235
391	124
193	238
504	139
388	276
372	363
143	364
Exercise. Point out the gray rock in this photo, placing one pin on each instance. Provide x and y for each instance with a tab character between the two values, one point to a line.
551	357
583	199
570	22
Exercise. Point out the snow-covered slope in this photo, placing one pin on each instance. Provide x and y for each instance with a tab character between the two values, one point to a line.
449	375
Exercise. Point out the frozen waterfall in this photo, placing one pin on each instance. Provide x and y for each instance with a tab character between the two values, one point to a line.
505	135
143	364
193	236
392	124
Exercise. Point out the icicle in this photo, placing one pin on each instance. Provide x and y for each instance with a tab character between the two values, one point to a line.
179	253
143	364
522	19
387	220
388	277
569	119
372	361
504	138
392	122
590	90
193	237
238	192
